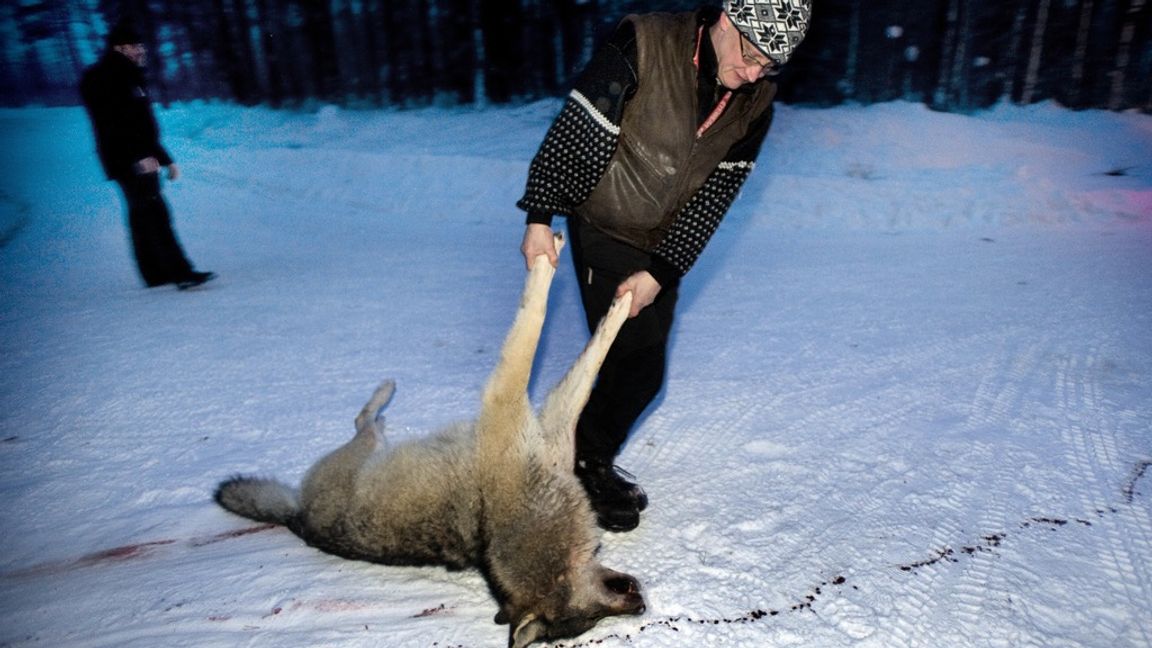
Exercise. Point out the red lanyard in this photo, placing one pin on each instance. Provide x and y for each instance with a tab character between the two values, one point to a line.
720	105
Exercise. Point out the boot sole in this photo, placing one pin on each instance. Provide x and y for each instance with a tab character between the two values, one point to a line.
619	522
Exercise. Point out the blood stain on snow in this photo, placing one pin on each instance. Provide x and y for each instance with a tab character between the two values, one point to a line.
127	552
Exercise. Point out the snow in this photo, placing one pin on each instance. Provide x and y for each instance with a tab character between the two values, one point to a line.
908	398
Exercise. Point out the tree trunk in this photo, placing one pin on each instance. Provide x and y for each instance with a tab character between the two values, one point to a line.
848	85
1123	55
943	95
1031	78
271	41
1080	55
500	22
322	47
961	79
227	55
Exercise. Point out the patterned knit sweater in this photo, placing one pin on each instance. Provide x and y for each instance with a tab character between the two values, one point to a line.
581	142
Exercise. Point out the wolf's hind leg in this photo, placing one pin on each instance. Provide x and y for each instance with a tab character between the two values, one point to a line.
567	399
505	409
510	377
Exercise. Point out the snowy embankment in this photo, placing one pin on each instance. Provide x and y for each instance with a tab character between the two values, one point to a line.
908	400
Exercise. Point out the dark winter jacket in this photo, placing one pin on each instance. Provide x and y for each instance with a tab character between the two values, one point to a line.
623	154
116	97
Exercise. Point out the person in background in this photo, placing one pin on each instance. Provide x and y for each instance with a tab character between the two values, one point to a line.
645	158
128	144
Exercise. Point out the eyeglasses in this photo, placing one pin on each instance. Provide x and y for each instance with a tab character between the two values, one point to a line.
767	66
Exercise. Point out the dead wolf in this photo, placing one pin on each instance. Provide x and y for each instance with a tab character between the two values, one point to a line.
497	494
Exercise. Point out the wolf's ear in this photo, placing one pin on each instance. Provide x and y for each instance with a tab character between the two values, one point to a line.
529	629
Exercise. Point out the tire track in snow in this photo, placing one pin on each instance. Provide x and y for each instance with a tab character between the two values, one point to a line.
1026	394
1001	398
1013	402
980	550
852	411
945	501
1092	441
1047	608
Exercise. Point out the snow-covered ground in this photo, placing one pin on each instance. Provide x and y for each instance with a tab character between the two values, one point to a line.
909	401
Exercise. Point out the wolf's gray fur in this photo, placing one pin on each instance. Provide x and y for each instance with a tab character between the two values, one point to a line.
497	494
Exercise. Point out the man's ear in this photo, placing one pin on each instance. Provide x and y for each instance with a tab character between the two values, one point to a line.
724	23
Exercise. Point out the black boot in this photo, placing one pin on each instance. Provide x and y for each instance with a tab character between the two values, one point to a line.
194	278
616	500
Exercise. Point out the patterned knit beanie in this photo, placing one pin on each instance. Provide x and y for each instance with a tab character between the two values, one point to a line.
124	33
775	27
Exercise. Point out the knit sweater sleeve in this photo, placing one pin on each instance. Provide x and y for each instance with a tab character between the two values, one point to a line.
697	221
582	139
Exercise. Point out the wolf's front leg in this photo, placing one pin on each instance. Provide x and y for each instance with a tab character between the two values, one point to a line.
567	399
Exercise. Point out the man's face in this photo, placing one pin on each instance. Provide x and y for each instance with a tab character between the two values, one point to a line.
739	61
135	52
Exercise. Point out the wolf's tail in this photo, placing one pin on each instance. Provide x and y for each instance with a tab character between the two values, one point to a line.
260	499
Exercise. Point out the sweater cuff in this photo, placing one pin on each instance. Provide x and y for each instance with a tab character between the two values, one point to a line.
538	218
666	274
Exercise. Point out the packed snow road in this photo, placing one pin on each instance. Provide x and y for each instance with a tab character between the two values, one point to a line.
907	404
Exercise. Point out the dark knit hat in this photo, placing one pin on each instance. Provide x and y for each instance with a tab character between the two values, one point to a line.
775	27
124	33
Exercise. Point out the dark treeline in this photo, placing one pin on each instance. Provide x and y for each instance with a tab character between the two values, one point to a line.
950	54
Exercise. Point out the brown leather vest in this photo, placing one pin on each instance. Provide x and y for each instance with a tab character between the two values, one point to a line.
659	162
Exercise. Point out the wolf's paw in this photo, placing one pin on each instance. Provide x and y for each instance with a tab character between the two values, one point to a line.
617	313
620	307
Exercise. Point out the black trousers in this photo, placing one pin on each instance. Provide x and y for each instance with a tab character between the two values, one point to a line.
633	372
159	256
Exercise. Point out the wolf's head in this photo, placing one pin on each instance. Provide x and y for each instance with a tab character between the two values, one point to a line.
577	602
